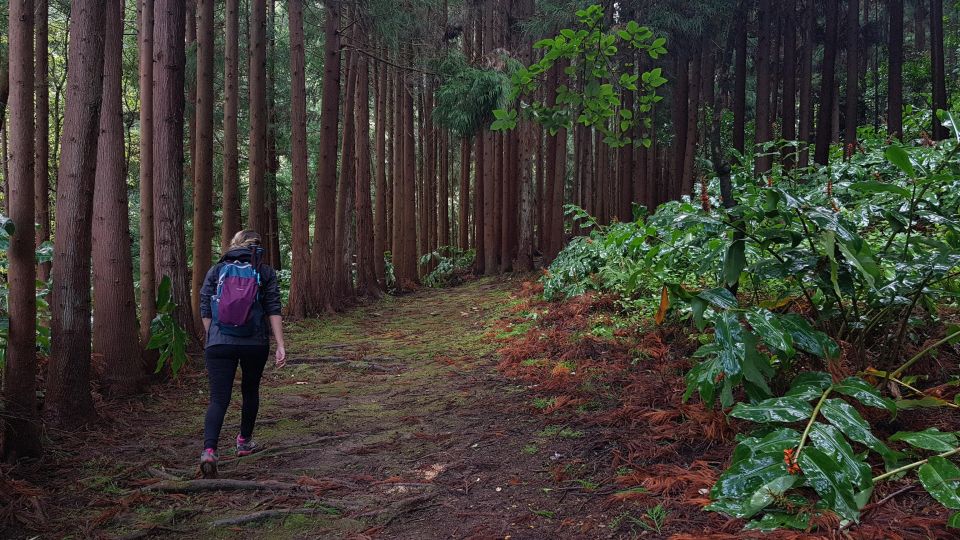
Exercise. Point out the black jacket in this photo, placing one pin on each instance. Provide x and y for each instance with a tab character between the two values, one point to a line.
269	299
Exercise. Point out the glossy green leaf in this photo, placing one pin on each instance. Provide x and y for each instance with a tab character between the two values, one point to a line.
744	478
826	477
782	409
809	385
163	293
774	443
734	261
768	493
940	477
768	326
863	392
831	442
954	521
899	157
873	186
848	420
756	368
772	521
727	333
807	339
928	439
719	297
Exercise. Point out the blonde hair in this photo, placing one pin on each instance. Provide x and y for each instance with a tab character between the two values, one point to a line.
245	239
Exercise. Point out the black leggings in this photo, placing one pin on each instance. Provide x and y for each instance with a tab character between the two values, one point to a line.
221	363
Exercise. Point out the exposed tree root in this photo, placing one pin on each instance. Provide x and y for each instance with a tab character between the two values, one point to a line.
268	514
399	508
195	486
278	450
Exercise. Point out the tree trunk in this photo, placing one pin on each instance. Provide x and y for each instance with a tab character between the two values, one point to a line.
853	74
115	342
232	221
169	59
322	260
937	67
22	428
763	113
806	82
257	194
443	195
550	168
190	109
693	109
406	263
681	89
463	214
41	148
380	216
345	186
366	274
298	305
203	157
148	283
789	71
68	379
895	71
828	82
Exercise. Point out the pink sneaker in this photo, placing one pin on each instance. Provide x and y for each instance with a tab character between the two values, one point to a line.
245	447
208	463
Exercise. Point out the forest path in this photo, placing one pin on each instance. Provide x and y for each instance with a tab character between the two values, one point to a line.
391	421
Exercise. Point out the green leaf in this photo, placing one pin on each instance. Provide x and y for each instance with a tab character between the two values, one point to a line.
807	339
743	479
771	330
767	493
727	332
734	261
922	403
782	409
939	477
863	392
809	385
954	521
719	297
826	477
928	439
848	420
829	440
772	521
899	157
698	306
163	293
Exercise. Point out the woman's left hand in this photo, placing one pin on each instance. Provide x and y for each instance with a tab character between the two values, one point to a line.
281	356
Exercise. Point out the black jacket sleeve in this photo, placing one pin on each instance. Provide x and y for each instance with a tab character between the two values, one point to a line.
207	291
272	304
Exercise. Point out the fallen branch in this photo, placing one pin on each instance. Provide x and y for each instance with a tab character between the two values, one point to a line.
162	474
401	507
268	514
195	486
278	450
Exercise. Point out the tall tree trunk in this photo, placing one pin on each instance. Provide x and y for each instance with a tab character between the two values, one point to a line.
190	110
68	380
115	340
345	187
22	427
41	147
550	168
827	84
257	194
298	306
895	71
322	261
681	89
366	274
806	81
443	195
920	25
937	67
559	188
148	283
169	59
789	71
231	222
203	157
763	113
380	215
406	264
693	109
396	138
463	214
853	74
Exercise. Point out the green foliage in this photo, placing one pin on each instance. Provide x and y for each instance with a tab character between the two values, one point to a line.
44	254
467	94
598	66
452	263
166	336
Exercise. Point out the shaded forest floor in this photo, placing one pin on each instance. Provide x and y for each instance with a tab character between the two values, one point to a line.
472	412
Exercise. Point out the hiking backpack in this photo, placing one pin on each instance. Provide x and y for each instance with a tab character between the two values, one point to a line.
236	305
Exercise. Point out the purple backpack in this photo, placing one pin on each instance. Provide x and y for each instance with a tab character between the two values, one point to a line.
236	305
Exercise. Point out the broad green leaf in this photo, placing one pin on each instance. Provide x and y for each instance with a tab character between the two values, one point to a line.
163	293
756	368
782	409
734	261
826	477
928	439
772	521
807	339
727	332
848	420
767	493
940	477
745	477
719	297
872	186
899	157
831	442
954	521
771	330
774	443
809	385
698	306
863	392
927	402
703	379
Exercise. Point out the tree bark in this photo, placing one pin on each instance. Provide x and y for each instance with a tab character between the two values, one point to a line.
463	214
443	195
366	274
763	113
380	209
115	341
148	283
257	193
853	74
203	157
168	108
322	257
41	148
895	71
406	262
693	109
345	187
232	221
22	428
828	82
806	82
681	101
789	71
68	379
937	67
298	305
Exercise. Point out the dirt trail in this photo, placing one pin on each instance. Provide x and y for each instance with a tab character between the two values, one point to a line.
390	422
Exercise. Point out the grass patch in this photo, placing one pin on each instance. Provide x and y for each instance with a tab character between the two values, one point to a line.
564	432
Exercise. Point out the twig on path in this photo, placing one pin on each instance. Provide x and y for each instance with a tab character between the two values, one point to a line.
223	484
268	514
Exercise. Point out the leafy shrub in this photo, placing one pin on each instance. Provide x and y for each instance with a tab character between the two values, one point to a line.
44	254
166	336
452	263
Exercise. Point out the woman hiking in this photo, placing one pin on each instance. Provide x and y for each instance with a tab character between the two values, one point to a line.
240	308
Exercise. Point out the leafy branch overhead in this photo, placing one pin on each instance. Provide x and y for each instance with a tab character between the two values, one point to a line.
600	67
